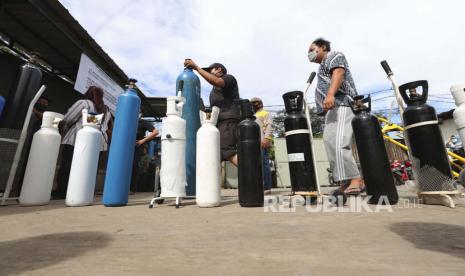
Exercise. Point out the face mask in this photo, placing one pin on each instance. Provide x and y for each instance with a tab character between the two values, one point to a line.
312	56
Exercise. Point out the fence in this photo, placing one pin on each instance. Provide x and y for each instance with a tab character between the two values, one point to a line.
393	152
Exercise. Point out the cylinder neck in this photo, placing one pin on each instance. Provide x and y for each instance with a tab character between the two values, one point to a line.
245	108
131	91
174	106
293	101
51	120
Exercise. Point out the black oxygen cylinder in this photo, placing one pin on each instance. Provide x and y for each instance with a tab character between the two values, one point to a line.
372	154
422	128
299	149
27	84
250	178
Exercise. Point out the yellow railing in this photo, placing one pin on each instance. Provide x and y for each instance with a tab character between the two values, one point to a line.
388	127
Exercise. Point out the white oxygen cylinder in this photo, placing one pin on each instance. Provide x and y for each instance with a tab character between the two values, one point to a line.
84	166
173	150
458	92
41	163
208	163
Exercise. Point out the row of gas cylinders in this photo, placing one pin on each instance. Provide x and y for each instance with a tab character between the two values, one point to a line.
422	133
40	169
424	140
208	160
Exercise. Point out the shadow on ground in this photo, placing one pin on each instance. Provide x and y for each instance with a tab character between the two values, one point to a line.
25	255
439	237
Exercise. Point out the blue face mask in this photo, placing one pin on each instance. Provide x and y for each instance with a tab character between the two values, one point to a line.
312	56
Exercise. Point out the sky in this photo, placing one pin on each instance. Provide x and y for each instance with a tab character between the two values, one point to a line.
264	44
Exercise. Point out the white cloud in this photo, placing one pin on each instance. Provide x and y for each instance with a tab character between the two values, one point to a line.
264	43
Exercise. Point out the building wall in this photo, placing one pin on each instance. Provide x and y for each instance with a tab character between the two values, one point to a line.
282	164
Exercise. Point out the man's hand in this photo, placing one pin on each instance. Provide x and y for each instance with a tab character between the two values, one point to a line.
266	143
140	142
337	77
329	102
189	63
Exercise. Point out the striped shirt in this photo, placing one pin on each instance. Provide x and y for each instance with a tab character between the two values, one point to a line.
332	61
73	123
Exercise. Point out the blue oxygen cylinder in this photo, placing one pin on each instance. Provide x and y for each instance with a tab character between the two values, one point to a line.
118	176
2	104
190	113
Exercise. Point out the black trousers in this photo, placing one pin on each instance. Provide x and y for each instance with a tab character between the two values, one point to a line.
63	173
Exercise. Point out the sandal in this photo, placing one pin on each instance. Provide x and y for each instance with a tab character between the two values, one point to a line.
353	191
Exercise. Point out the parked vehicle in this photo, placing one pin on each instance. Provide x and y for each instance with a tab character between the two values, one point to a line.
402	171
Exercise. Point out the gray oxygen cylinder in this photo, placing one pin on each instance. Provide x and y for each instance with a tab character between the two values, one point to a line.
17	103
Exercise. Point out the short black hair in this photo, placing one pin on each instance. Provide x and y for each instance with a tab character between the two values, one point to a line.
321	42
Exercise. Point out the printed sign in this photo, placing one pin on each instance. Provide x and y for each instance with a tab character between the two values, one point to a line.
90	74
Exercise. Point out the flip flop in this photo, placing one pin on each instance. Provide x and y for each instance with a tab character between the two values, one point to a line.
353	191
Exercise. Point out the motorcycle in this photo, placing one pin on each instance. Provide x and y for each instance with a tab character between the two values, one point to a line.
402	171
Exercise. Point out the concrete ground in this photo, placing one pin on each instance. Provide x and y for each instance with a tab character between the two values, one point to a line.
230	240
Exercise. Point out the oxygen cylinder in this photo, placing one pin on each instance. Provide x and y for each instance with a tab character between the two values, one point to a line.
27	84
41	164
299	149
83	172
250	174
208	190
372	153
173	149
421	126
118	176
458	92
2	104
190	113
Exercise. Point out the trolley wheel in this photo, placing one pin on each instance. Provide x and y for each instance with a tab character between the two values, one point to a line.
150	205
160	201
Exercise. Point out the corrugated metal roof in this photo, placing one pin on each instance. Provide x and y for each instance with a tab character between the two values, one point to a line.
48	28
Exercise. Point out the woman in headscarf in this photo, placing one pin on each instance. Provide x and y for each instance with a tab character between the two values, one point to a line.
71	124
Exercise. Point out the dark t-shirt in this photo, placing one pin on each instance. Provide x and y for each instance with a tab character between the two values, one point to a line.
224	98
142	127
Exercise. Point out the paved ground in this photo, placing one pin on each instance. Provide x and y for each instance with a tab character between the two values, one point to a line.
230	240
